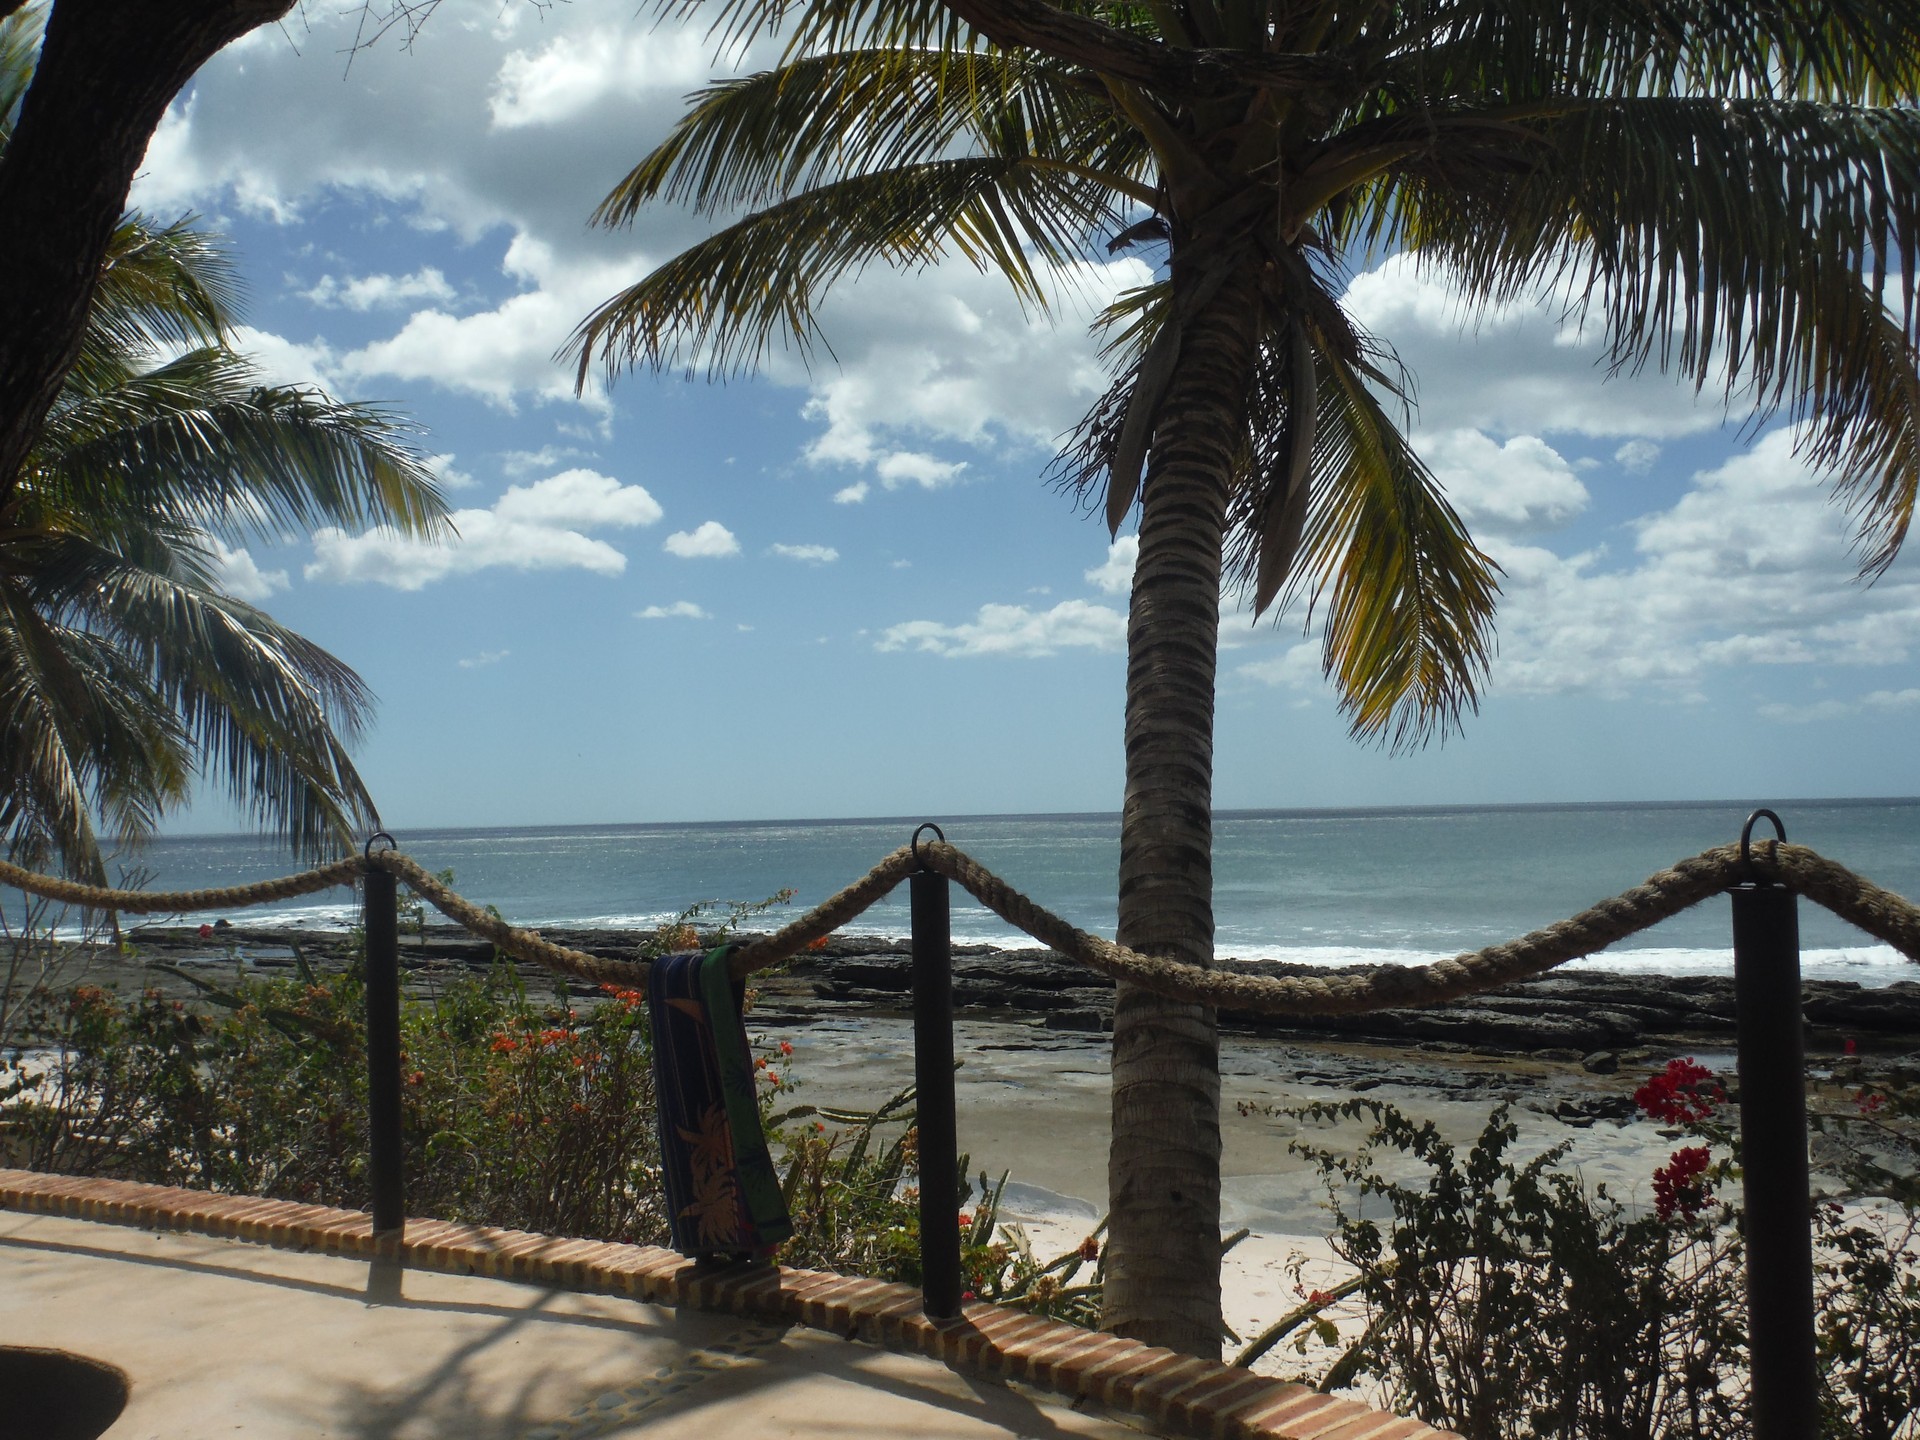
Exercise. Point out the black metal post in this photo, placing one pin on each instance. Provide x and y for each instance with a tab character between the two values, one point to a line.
933	1077
383	1051
1773	1142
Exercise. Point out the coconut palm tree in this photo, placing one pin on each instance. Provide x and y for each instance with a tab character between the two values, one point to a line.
126	671
1726	192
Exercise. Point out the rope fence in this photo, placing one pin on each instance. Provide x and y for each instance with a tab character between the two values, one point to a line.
1880	913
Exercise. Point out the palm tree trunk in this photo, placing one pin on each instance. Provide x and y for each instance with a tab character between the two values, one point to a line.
106	75
1163	1171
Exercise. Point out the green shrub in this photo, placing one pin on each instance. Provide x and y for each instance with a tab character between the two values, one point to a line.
1507	1299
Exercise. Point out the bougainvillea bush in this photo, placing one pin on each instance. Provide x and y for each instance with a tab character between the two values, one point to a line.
1506	1298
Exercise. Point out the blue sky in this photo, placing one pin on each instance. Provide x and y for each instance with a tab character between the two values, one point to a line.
846	590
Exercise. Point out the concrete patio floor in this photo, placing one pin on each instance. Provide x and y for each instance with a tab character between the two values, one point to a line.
220	1337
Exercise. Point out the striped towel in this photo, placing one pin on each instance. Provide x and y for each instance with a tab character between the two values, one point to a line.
723	1198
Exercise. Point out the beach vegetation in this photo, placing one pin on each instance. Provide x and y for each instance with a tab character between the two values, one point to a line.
526	1110
1724	194
1502	1297
130	673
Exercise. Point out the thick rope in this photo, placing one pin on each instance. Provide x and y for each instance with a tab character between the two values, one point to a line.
1879	912
521	944
169	902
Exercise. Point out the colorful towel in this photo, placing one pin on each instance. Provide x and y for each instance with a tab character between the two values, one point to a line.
723	1198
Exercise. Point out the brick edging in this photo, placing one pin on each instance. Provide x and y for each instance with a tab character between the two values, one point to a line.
1197	1397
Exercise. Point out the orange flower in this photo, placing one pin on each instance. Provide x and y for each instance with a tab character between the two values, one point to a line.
819	944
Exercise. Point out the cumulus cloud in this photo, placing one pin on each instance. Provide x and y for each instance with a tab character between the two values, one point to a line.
1520	368
505	354
447	475
1751	567
1637	457
484	659
578	499
238	574
945	355
852	494
578	72
1521	485
378	292
1014	630
811	554
679	610
1114	575
531	527
707	541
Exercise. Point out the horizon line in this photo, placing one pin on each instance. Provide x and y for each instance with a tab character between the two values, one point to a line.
1253	812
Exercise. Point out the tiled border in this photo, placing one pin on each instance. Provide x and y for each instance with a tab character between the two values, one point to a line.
1196	1397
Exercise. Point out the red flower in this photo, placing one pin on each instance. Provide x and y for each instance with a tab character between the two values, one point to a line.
1319	1297
786	1048
1853	1046
819	944
504	1045
1679	1186
1869	1101
206	932
1682	1094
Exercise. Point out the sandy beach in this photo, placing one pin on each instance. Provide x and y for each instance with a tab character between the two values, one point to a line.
1035	1102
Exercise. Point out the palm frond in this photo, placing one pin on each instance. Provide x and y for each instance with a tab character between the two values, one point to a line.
19	53
723	302
200	440
160	290
747	142
1741	242
267	712
1410	598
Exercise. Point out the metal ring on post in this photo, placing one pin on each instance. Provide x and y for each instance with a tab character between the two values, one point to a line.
1746	834
914	844
392	844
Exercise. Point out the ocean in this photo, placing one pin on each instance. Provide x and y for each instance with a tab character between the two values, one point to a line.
1325	887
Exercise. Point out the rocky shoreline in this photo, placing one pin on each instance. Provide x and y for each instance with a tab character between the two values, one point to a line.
1588	1017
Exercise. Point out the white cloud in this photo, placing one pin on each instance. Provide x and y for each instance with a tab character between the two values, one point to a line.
707	541
1515	369
578	499
679	610
812	554
1880	701
379	292
1014	630
505	354
1751	567
912	467
447	475
281	361
852	494
1637	457
1298	667
576	73
485	543
1521	485
946	354
531	527
239	575
1114	575
484	659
